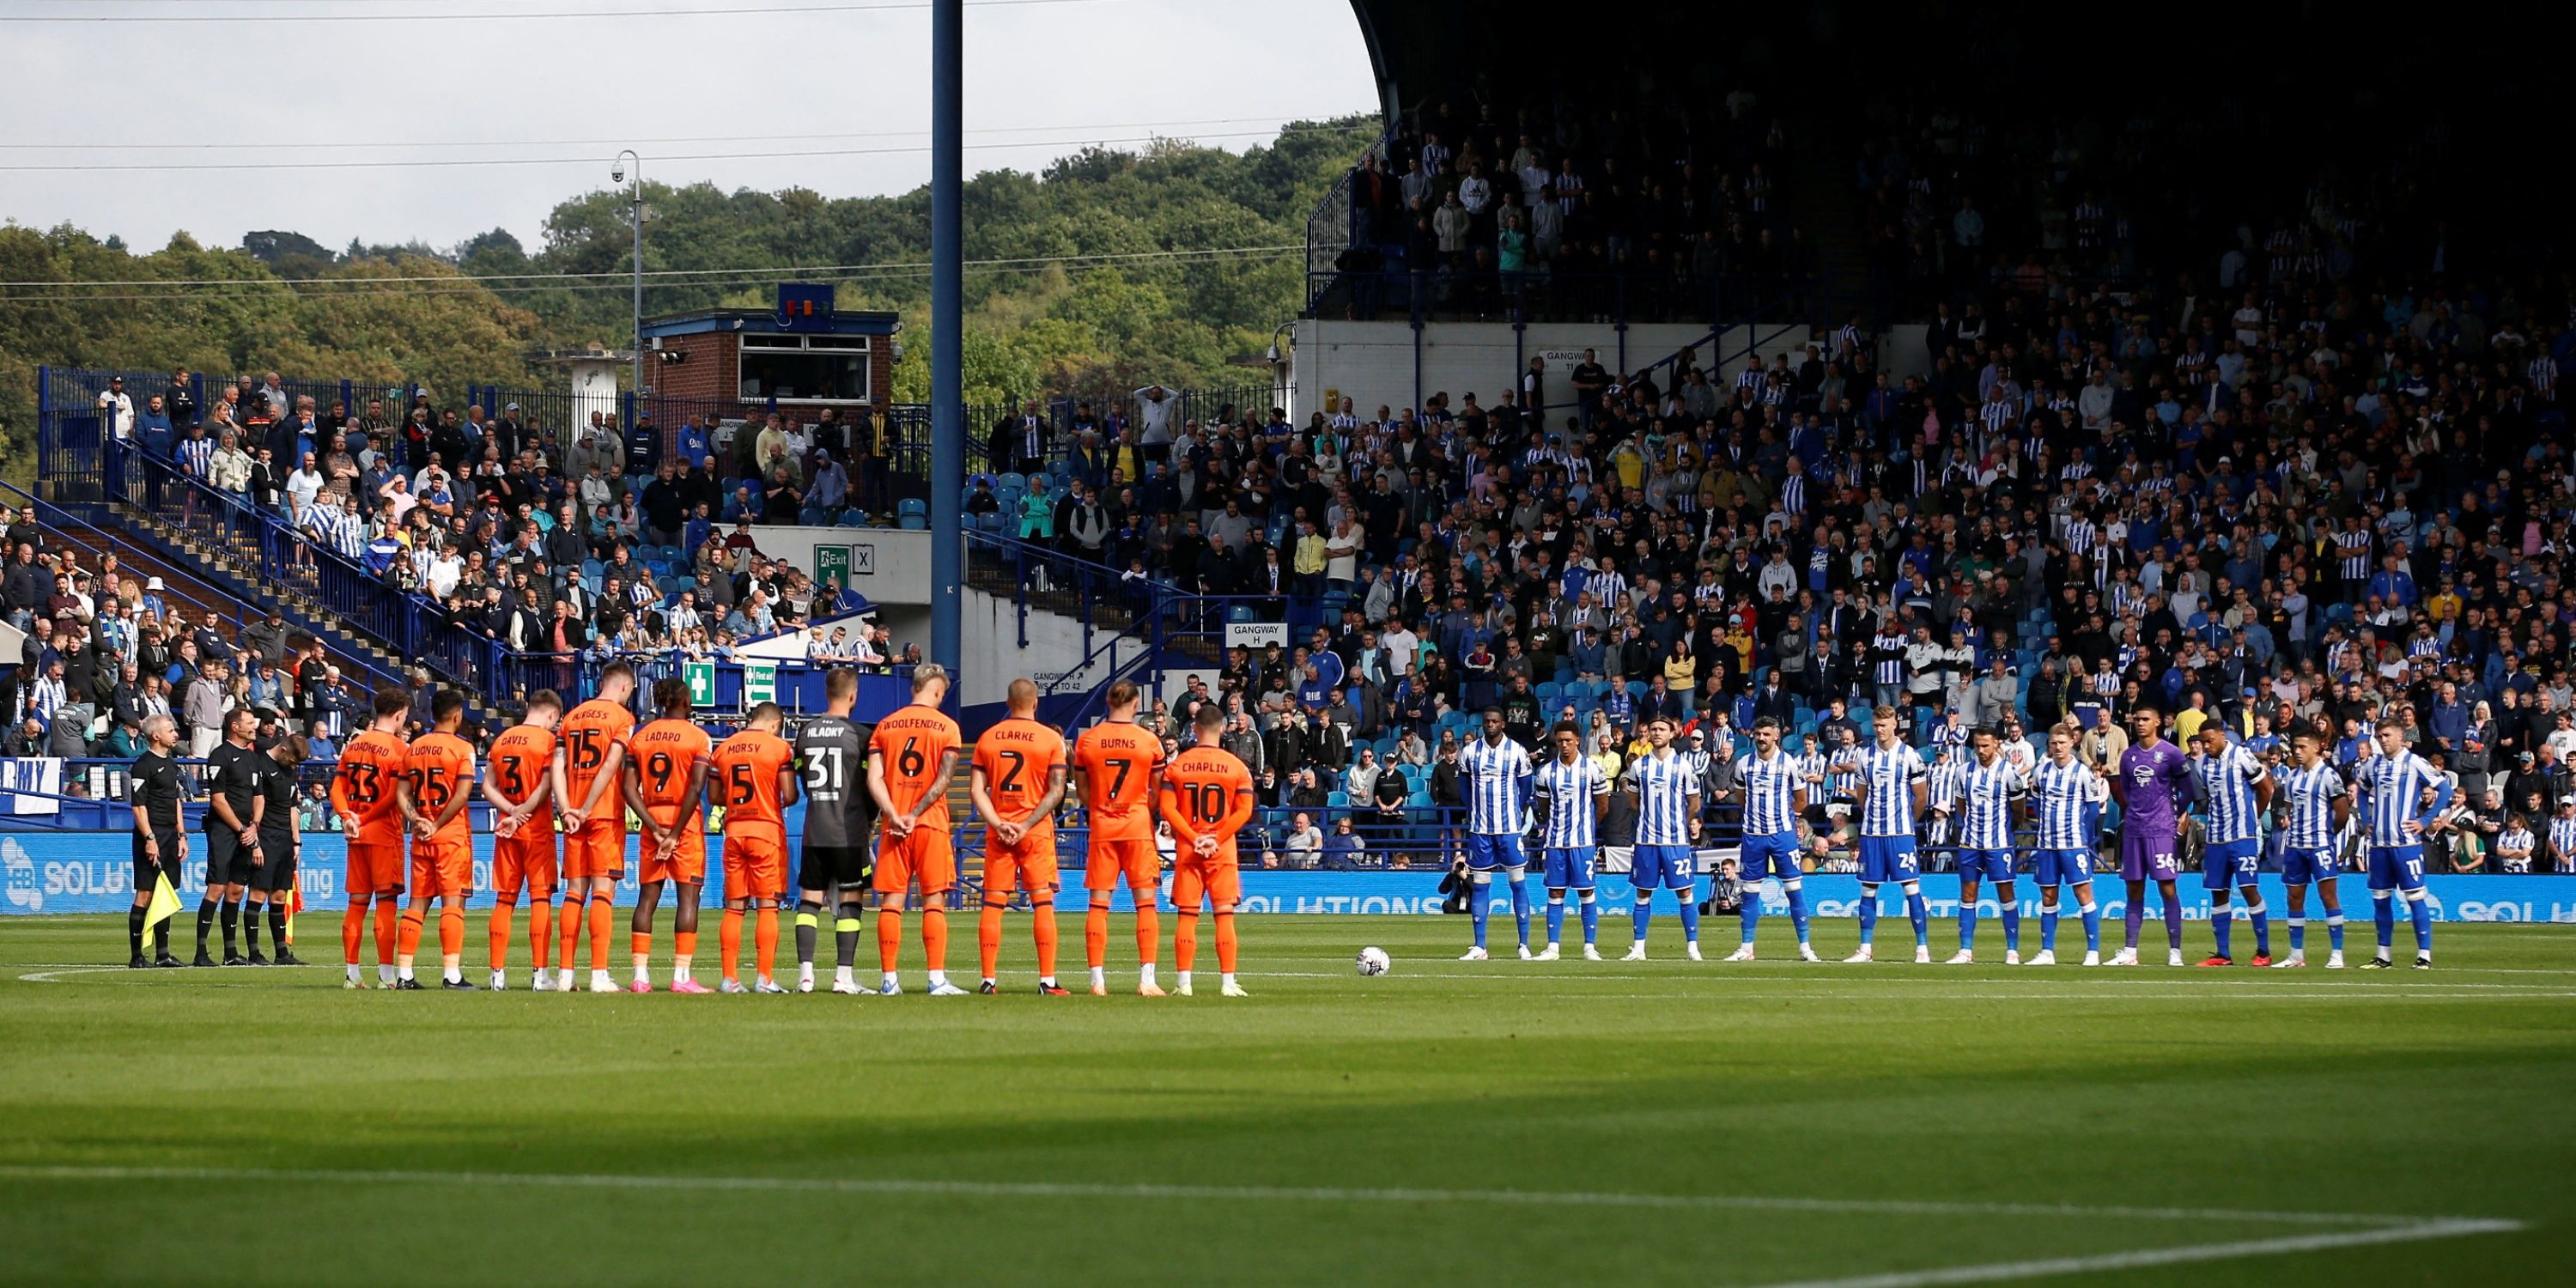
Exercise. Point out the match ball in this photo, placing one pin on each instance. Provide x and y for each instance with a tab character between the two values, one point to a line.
1374	961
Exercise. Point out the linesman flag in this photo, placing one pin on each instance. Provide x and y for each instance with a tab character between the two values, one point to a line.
165	902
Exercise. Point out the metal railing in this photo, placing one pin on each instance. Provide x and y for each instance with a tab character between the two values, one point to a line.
1399	291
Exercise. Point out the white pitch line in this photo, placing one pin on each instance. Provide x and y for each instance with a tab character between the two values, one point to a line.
1215	1193
2448	1228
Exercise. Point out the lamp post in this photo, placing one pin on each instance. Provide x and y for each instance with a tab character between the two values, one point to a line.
635	212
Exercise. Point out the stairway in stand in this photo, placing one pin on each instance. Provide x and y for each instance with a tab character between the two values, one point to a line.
274	587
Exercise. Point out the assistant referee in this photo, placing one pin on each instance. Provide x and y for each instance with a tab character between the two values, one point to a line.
157	789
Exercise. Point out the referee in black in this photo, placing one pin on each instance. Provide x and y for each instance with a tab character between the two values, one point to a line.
157	789
235	773
281	847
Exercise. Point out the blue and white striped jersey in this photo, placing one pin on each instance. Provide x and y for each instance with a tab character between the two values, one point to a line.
1569	790
1984	808
2309	796
2226	783
2562	837
1770	787
1887	789
1495	777
2388	787
197	457
1664	785
2062	800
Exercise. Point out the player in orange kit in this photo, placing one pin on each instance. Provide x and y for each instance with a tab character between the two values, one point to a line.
518	782
1114	766
437	785
666	779
590	758
362	794
912	757
1017	783
1207	798
754	773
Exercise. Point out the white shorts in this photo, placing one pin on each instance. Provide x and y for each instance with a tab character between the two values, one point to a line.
1617	858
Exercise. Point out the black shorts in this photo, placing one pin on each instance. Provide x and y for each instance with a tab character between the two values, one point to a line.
227	859
146	870
845	866
278	871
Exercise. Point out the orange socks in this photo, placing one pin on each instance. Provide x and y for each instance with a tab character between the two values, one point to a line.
353	930
451	929
1185	941
684	943
570	930
640	944
500	935
988	936
541	933
602	925
1225	942
1149	928
765	942
889	937
1095	937
387	935
729	943
934	938
1042	924
407	940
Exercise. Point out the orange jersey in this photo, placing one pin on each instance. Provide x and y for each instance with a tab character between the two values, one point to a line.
744	778
441	768
587	734
1206	792
370	766
1017	757
1118	760
909	744
664	753
522	761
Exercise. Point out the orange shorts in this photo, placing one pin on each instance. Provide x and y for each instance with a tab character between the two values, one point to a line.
1029	865
375	869
755	865
925	855
687	864
1136	860
595	851
1218	879
442	869
525	858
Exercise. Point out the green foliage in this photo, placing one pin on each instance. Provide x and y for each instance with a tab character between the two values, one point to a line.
1127	316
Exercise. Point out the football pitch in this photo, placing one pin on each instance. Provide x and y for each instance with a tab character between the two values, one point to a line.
1663	1122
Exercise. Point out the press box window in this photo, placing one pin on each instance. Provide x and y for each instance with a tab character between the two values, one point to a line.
805	368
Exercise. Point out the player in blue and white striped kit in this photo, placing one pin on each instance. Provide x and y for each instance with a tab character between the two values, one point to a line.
1576	791
1986	788
1667	822
2065	801
2390	787
1495	773
1894	786
2235	791
2313	796
1774	784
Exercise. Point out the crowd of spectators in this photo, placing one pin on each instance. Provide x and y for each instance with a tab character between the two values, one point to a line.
106	650
591	543
2316	499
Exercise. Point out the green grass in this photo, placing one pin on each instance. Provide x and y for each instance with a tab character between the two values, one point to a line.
2394	1096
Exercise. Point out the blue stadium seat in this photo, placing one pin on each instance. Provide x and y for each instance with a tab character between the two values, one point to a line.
1550	693
854	518
915	523
1336	800
912	507
1013	482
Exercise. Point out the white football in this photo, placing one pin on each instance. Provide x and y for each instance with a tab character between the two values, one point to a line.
1374	961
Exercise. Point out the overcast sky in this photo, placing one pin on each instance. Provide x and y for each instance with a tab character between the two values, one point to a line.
1043	77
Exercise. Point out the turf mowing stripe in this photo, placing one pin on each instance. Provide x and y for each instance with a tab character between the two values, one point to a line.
1233	1193
2415	1232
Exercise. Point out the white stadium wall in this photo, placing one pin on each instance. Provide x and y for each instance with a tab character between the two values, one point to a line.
1373	362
